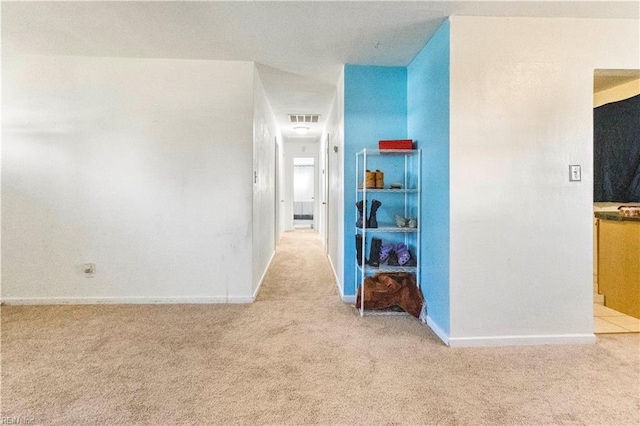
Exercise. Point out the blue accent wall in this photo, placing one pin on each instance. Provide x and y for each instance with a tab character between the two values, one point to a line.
428	122
375	107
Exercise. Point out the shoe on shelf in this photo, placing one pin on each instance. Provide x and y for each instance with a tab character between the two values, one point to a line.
393	259
403	254
385	251
372	222
379	179
374	254
412	260
401	222
359	250
370	179
361	214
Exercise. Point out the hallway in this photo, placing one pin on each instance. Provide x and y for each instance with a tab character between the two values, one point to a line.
299	271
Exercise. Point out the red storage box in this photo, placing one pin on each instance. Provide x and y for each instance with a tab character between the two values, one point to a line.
396	144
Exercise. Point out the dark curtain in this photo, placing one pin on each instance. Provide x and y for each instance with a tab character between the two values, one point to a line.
616	150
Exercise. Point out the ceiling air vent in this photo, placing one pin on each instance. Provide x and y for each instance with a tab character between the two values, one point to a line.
304	118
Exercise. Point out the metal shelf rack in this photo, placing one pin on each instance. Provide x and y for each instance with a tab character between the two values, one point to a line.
411	201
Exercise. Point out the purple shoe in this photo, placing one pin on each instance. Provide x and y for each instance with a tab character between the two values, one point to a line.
385	251
403	254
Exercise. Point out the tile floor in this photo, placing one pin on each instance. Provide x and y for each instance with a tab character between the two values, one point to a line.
606	320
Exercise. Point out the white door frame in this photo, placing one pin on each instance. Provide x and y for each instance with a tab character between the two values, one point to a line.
325	197
276	182
315	187
306	149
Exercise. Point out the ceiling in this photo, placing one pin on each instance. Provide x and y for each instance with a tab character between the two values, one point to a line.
299	47
606	79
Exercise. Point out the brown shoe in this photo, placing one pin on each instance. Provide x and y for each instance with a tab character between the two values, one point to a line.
379	179
371	180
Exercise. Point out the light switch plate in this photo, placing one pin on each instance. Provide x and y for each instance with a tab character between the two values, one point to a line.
575	173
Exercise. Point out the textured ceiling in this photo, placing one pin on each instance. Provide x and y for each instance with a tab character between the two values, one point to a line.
606	79
299	47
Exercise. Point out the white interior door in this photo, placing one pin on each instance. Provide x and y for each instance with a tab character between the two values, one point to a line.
276	182
325	196
304	192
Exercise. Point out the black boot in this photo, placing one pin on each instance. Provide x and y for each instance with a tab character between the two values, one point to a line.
361	214
374	255
393	259
372	222
359	249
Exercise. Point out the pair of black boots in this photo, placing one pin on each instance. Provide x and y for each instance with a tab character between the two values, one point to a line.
374	254
372	222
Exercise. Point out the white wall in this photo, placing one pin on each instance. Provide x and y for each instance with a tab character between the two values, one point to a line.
335	215
521	234
265	131
143	166
1	149
297	147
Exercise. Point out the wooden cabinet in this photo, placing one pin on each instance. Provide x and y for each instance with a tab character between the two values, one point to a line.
619	264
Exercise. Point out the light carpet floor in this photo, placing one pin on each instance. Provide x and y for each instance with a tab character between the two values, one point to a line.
298	355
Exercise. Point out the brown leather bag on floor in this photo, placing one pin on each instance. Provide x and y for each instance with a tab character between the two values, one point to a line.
385	290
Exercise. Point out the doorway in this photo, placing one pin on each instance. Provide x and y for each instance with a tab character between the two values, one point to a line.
615	241
325	196
276	201
304	175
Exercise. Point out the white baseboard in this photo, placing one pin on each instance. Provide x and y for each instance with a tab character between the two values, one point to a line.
348	299
338	283
345	299
438	330
552	339
598	298
123	300
264	274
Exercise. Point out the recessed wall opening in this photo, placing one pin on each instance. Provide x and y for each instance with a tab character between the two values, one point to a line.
303	191
616	180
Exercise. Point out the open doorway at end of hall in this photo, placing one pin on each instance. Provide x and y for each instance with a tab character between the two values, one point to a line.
616	237
304	192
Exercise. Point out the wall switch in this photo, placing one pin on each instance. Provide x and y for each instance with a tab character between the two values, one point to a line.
575	173
89	269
